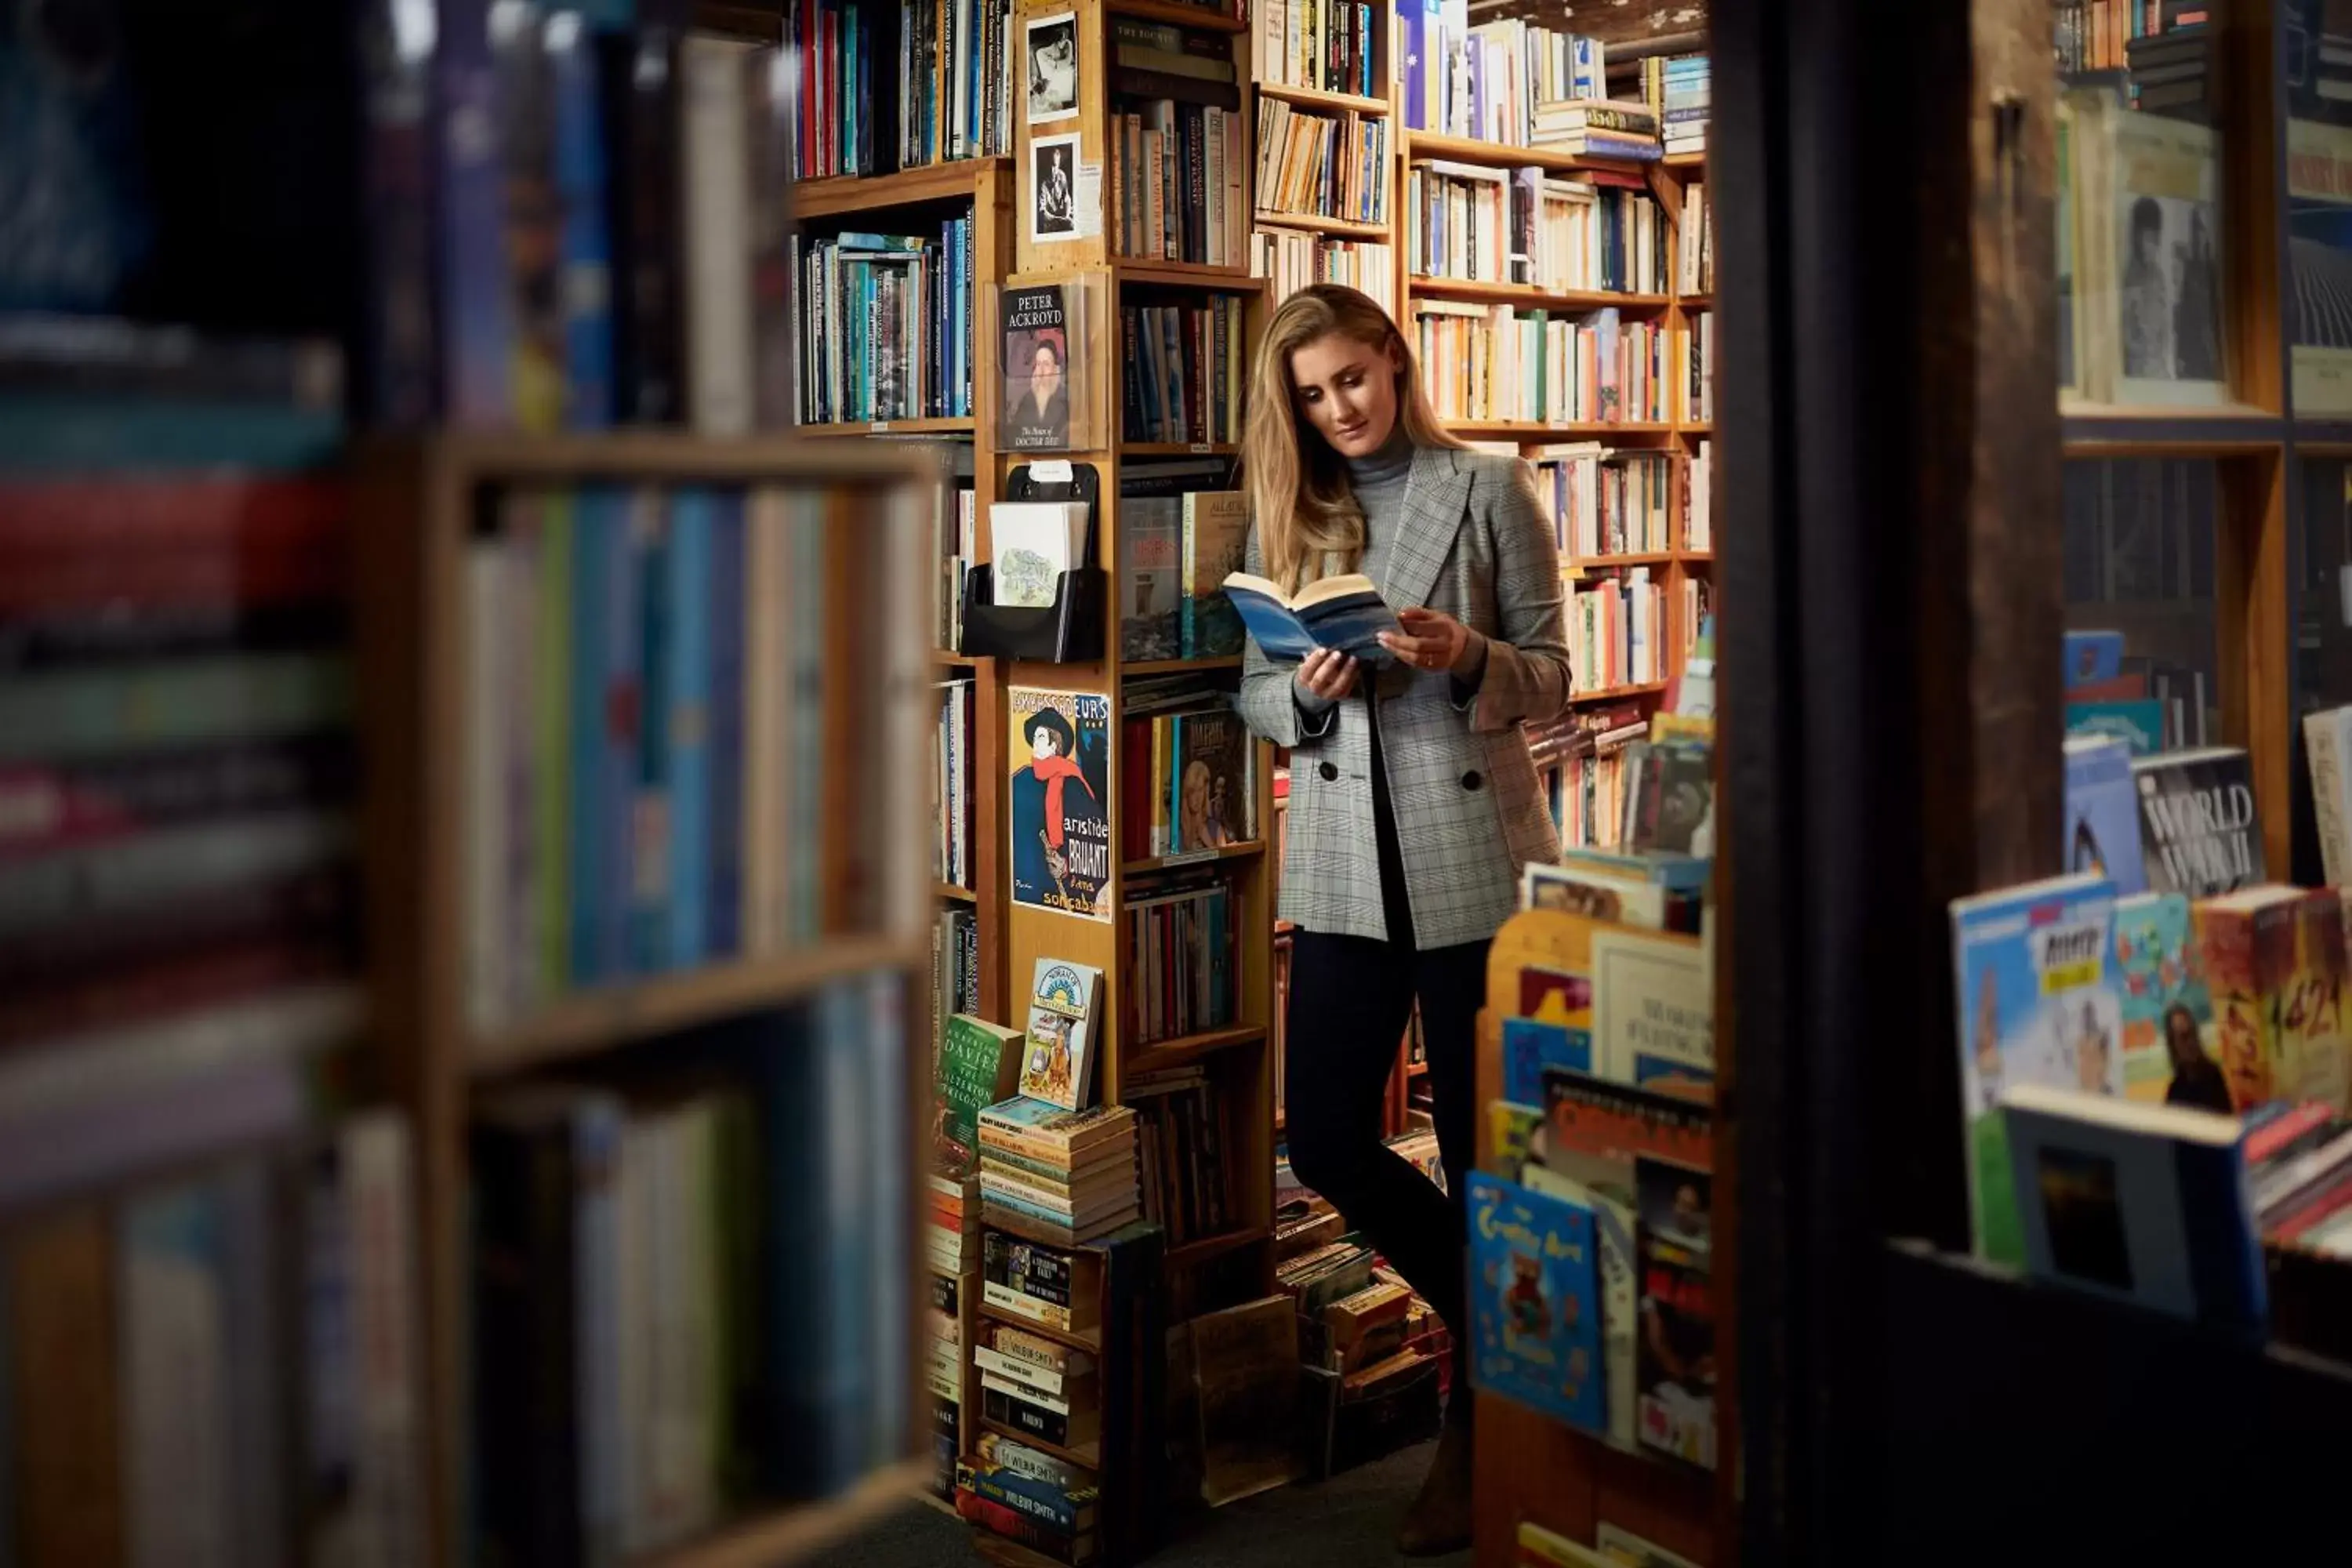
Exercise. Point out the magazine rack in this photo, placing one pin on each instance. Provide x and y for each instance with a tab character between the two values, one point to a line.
1070	629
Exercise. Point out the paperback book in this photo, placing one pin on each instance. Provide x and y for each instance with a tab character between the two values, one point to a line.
1536	1303
1345	612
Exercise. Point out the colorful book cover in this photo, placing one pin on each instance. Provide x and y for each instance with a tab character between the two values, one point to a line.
1587	1115
1606	1185
2311	1015
1058	1064
1060	851
2092	657
2249	940
1150	577
2199	831
2138	724
1536	1303
1531	1045
2036	1006
1036	348
1217	537
1213	804
1510	1134
1675	1359
2167	1015
979	1065
2103	813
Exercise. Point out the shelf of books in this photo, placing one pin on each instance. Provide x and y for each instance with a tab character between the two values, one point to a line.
644	767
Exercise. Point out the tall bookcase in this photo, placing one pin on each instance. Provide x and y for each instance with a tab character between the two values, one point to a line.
1238	1057
968	448
417	503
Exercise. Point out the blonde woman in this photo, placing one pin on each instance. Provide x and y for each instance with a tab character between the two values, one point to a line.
1413	801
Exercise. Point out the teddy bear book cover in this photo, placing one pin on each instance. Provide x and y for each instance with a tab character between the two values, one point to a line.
1535	1302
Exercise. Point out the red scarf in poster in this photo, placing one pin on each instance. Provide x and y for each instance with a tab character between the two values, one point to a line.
1057	771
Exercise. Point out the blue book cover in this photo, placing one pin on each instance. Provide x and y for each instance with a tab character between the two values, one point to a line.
2138	722
1535	1302
2092	657
1413	28
723	925
1345	612
619	720
596	1129
850	1195
2144	1204
596	518
2036	1006
586	286
476	308
1531	1045
2103	813
650	827
686	733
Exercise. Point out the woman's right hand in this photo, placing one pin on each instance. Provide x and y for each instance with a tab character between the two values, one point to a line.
1327	673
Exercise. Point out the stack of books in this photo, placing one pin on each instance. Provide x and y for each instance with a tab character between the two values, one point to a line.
1055	1176
1028	1495
1038	1386
954	1230
944	1363
1681	93
1597	128
1332	1272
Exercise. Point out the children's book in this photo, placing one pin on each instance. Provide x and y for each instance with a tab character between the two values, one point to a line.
2159	980
1605	1185
1058	1065
2035	1007
1536	1303
1345	612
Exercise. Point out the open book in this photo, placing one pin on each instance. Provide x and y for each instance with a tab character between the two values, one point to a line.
1345	612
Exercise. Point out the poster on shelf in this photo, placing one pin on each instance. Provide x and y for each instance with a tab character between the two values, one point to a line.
1060	802
1050	50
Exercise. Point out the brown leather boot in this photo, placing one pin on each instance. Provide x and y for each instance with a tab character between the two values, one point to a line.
1439	1520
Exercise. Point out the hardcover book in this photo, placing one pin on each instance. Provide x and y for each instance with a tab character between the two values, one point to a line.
979	1065
1212	798
2036	1006
1345	612
2103	813
1150	577
2198	832
1534	1305
2144	1204
1216	538
1039	329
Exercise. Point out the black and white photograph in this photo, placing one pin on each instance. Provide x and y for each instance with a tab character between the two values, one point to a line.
2168	282
1054	187
1050	48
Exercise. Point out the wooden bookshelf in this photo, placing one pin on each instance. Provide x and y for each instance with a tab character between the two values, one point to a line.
854	194
956	426
1335	228
415	506
1316	98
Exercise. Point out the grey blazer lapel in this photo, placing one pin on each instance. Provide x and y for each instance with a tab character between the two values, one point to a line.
1435	493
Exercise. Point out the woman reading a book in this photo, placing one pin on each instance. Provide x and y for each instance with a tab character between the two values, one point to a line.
1413	801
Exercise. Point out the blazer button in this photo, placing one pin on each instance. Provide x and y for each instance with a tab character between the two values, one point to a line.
1471	779
1328	770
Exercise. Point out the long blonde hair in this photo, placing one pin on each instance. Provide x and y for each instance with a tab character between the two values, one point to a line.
1308	518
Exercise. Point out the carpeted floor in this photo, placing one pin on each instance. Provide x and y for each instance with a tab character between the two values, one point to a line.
1348	1522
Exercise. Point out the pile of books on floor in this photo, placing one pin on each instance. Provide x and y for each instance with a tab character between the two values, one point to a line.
1026	1495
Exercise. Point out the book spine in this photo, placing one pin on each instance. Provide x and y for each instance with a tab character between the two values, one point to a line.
1022	1414
641	86
78	714
766	101
1020	1529
388	1478
67	1354
585	289
478	326
716	185
596	1133
2323	735
47	809
687	712
176	1455
723	901
526	1389
625	796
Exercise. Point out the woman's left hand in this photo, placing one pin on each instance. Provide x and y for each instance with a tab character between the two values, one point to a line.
1432	639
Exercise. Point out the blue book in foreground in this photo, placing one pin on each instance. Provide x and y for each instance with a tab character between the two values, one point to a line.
1344	613
1535	1302
2138	1203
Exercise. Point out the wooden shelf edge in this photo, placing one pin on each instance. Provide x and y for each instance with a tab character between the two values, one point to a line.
1620	693
1195	1253
1090	1341
1080	1456
841	194
1182	15
609	1017
1180	666
1337	227
1177	448
1426	144
948	656
961	895
1245	851
792	1531
1634	558
1533	297
1186	275
1533	434
1186	1049
1320	97
954	424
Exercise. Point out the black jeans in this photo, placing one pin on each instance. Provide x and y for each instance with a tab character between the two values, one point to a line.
1351	997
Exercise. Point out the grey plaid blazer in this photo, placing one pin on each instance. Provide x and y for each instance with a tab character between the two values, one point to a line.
1469	811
